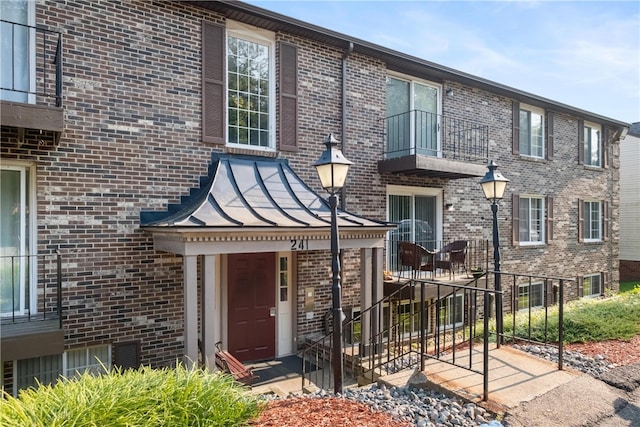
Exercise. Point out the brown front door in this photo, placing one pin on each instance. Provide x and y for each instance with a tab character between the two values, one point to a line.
252	288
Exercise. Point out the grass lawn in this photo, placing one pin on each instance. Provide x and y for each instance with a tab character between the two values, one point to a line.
627	286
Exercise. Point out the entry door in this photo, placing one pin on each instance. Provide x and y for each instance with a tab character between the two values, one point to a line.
251	305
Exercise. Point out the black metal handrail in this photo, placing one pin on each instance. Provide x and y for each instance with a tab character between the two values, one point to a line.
46	82
31	288
418	132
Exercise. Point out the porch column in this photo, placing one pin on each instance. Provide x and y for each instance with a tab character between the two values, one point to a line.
377	287
209	314
190	268
365	300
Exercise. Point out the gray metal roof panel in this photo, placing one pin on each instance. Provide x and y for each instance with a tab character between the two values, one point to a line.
250	191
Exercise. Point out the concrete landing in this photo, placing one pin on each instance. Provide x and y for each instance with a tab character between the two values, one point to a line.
515	377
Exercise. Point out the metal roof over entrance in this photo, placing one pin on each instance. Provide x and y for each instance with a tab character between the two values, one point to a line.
250	191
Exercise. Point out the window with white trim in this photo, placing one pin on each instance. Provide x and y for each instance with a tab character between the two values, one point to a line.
531	131
451	311
18	266
531	219
592	144
17	47
592	285
530	295
95	360
592	221
250	86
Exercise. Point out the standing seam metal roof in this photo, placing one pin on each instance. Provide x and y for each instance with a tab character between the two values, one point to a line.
251	191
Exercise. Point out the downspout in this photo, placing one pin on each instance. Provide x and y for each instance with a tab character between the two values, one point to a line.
343	193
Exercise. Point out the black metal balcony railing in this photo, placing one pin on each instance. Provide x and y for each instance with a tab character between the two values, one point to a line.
32	64
422	133
30	289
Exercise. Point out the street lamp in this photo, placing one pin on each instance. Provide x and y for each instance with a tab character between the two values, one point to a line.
493	185
332	169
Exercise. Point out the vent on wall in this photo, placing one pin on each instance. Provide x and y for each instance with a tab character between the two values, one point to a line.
127	354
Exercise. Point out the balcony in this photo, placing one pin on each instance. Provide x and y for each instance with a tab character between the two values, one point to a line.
31	84
30	315
427	144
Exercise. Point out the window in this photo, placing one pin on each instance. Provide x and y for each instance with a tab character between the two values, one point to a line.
591	144
249	87
238	93
88	359
47	369
591	285
530	295
591	221
531	220
417	213
531	131
412	122
17	240
44	369
17	47
451	311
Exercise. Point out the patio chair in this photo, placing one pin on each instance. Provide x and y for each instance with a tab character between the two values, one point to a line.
417	258
456	255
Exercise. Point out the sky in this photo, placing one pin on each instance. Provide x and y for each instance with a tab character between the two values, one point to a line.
585	54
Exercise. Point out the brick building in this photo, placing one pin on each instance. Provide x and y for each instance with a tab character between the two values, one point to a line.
157	156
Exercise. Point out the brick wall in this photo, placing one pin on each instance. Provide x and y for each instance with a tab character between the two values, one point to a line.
132	142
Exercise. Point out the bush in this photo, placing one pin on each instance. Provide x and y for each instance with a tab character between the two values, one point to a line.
145	397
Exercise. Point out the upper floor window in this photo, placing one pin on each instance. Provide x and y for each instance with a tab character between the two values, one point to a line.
412	117
531	131
17	37
249	87
592	221
238	94
591	142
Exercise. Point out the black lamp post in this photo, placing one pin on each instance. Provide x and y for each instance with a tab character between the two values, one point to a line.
493	185
332	169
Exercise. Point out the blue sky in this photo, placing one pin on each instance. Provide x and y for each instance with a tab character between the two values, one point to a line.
585	54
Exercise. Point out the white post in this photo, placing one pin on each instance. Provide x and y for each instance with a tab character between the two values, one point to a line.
209	313
190	267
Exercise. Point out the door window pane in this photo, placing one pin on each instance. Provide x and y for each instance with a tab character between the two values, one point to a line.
14	50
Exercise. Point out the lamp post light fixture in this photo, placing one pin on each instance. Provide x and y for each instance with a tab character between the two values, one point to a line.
493	184
332	169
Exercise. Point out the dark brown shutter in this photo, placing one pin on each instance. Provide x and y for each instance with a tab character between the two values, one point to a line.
604	281
604	144
549	219
580	286
213	77
581	142
288	97
516	127
550	116
580	220
548	290
515	219
605	220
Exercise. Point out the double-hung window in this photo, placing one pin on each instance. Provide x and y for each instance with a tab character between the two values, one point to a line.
250	85
531	213
592	285
531	131
591	144
451	311
17	240
592	220
530	295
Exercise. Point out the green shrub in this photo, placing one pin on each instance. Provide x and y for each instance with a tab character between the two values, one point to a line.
144	397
